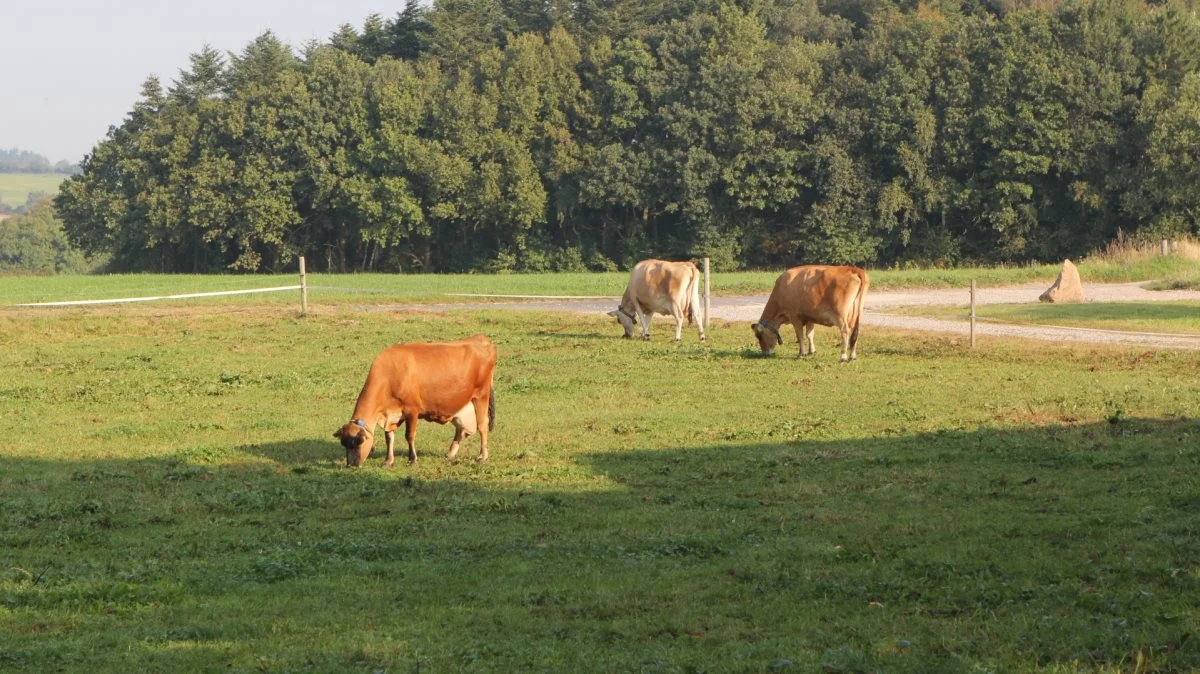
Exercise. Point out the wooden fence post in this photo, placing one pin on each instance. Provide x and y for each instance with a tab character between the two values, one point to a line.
707	292
1163	247
972	313
303	289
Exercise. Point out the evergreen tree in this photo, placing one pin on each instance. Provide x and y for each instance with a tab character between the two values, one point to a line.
545	134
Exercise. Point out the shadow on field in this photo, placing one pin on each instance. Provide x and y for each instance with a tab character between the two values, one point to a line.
1055	546
579	335
754	353
302	451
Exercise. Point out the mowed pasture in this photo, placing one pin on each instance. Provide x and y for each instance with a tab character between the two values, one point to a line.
442	288
1181	317
15	188
171	500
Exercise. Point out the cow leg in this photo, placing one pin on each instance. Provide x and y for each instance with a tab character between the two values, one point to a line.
410	435
458	438
481	423
800	327
390	436
809	329
677	313
844	327
644	318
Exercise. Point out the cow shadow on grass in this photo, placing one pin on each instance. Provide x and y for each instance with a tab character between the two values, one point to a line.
617	336
1071	543
577	335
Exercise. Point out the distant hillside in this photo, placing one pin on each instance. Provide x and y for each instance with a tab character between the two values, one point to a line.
15	188
15	160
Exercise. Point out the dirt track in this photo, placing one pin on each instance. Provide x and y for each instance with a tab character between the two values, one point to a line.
748	308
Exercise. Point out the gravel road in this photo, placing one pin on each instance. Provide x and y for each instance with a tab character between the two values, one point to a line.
748	308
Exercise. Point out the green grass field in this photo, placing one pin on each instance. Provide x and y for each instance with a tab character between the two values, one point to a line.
403	288
15	188
171	500
1174	317
1183	280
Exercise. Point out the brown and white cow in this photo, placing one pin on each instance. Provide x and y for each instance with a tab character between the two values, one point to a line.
439	382
813	295
657	286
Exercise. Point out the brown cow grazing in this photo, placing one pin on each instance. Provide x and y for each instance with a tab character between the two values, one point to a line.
813	295
436	382
668	288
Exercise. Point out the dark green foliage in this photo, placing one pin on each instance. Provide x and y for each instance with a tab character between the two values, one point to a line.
34	243
509	135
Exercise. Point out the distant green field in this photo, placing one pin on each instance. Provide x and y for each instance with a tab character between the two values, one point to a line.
1175	270
417	288
1184	280
1175	317
392	288
15	188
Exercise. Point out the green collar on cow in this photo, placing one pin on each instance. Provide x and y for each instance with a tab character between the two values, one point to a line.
621	310
362	423
772	328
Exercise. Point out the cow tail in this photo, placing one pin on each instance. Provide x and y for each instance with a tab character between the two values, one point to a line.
693	297
864	283
492	409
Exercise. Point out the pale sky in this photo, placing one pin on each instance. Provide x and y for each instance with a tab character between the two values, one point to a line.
71	68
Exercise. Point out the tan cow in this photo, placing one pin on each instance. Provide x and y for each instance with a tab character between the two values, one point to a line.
436	382
668	288
813	295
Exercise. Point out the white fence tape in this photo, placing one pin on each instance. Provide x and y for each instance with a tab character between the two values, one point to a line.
123	300
160	297
535	297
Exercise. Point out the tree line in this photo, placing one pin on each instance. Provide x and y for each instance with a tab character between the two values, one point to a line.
15	160
523	135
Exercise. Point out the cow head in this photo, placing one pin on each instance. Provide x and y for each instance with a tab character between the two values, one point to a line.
768	337
358	440
626	320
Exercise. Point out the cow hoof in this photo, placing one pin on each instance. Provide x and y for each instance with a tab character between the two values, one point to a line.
645	338
480	459
844	359
701	339
677	340
627	337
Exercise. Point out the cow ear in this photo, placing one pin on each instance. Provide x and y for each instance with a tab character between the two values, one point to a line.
337	433
756	328
612	313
